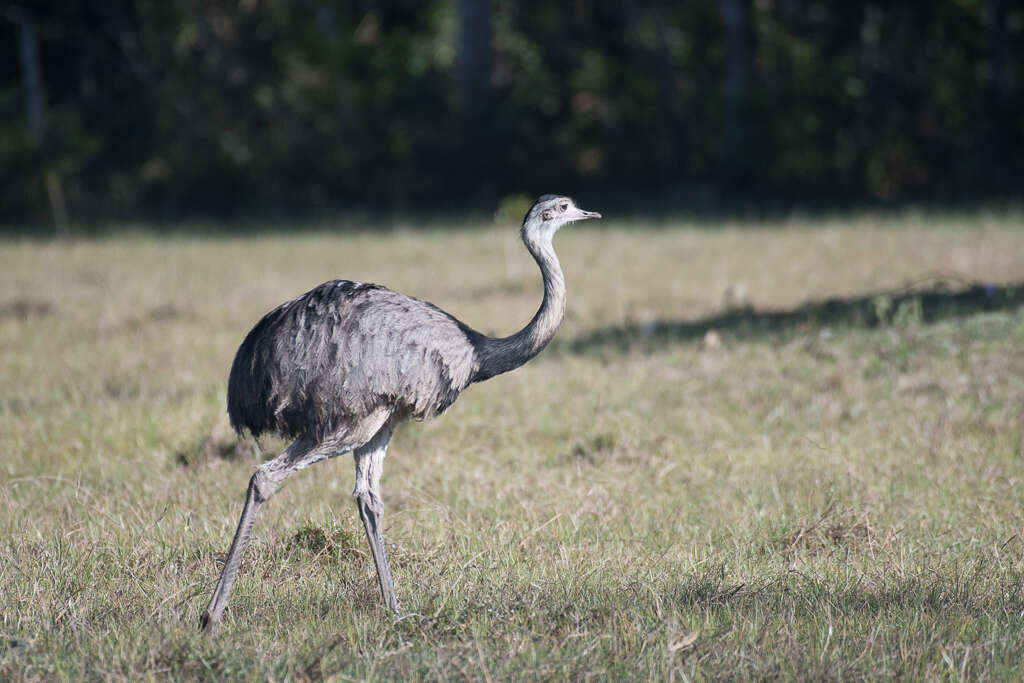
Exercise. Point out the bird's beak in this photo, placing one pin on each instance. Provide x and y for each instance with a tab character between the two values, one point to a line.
582	215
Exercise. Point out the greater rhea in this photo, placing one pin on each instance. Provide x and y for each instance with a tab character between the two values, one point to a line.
337	368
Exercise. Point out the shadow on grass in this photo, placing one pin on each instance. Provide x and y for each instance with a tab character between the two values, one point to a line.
938	589
908	306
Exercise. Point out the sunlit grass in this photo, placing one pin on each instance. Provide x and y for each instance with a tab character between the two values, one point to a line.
814	502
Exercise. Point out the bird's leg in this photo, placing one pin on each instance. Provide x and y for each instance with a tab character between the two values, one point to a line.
263	484
210	619
369	466
371	522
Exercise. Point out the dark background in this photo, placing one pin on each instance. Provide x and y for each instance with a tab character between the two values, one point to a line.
157	109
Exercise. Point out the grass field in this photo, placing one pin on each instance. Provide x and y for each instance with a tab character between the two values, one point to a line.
700	479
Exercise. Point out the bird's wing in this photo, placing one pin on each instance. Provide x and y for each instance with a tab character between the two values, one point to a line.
343	350
411	352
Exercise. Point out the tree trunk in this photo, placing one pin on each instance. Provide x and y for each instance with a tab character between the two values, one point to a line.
739	38
32	80
997	43
28	57
997	135
473	60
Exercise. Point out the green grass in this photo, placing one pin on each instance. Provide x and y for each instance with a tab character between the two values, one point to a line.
681	487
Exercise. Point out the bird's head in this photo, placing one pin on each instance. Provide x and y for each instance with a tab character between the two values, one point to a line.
550	213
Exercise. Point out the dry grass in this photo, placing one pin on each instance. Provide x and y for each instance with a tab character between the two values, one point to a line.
806	502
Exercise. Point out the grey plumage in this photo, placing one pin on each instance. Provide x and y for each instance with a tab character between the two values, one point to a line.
338	367
341	351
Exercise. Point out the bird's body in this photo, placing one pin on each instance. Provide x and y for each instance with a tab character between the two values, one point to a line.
338	367
376	348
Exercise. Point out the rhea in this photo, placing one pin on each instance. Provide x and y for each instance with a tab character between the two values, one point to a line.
337	368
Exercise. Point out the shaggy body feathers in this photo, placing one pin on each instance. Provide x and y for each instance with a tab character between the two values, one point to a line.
344	350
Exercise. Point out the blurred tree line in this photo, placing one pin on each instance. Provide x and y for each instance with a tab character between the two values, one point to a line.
165	108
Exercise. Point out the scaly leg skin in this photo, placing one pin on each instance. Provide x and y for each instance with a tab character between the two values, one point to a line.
267	480
210	620
369	466
371	522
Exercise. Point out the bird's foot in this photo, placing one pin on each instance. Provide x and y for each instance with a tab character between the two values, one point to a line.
207	624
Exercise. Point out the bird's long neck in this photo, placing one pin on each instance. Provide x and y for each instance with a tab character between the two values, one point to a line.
495	356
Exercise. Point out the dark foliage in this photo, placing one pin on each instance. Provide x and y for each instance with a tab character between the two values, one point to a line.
192	106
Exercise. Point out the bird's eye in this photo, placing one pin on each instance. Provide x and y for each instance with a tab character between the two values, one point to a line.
563	207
